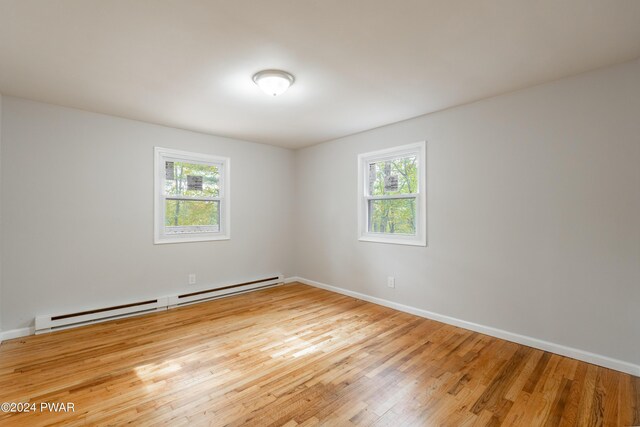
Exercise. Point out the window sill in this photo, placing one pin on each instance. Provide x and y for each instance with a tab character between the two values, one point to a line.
393	241
190	239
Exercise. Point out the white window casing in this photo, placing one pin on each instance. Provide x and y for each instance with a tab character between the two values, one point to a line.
367	177
163	233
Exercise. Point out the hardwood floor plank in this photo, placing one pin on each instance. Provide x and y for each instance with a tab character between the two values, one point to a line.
632	393
586	397
494	394
570	413
555	416
294	355
537	373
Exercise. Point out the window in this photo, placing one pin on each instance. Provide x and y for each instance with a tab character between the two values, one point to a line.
392	201
191	197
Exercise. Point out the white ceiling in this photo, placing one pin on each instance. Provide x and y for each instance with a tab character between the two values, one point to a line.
359	64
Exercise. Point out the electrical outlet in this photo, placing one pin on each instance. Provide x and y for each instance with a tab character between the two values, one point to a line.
192	279
391	282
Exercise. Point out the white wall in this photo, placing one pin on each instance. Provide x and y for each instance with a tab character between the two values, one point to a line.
0	216
533	214
77	212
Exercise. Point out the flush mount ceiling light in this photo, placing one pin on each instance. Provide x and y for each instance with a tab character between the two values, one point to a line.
273	82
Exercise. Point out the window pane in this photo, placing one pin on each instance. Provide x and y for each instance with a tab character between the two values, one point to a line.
394	176
393	216
191	216
191	179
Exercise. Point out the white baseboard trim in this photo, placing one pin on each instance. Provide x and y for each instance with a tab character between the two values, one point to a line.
574	353
16	333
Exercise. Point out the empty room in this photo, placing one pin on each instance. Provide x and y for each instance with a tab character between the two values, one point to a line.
320	213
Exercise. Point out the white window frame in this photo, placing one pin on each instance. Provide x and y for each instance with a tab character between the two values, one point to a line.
161	155
364	160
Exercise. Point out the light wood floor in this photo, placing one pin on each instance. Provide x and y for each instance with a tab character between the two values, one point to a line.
296	355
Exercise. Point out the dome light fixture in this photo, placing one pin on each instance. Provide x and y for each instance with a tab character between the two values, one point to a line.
273	82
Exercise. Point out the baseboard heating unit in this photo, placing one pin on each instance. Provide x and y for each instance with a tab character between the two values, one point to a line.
70	320
44	324
200	296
